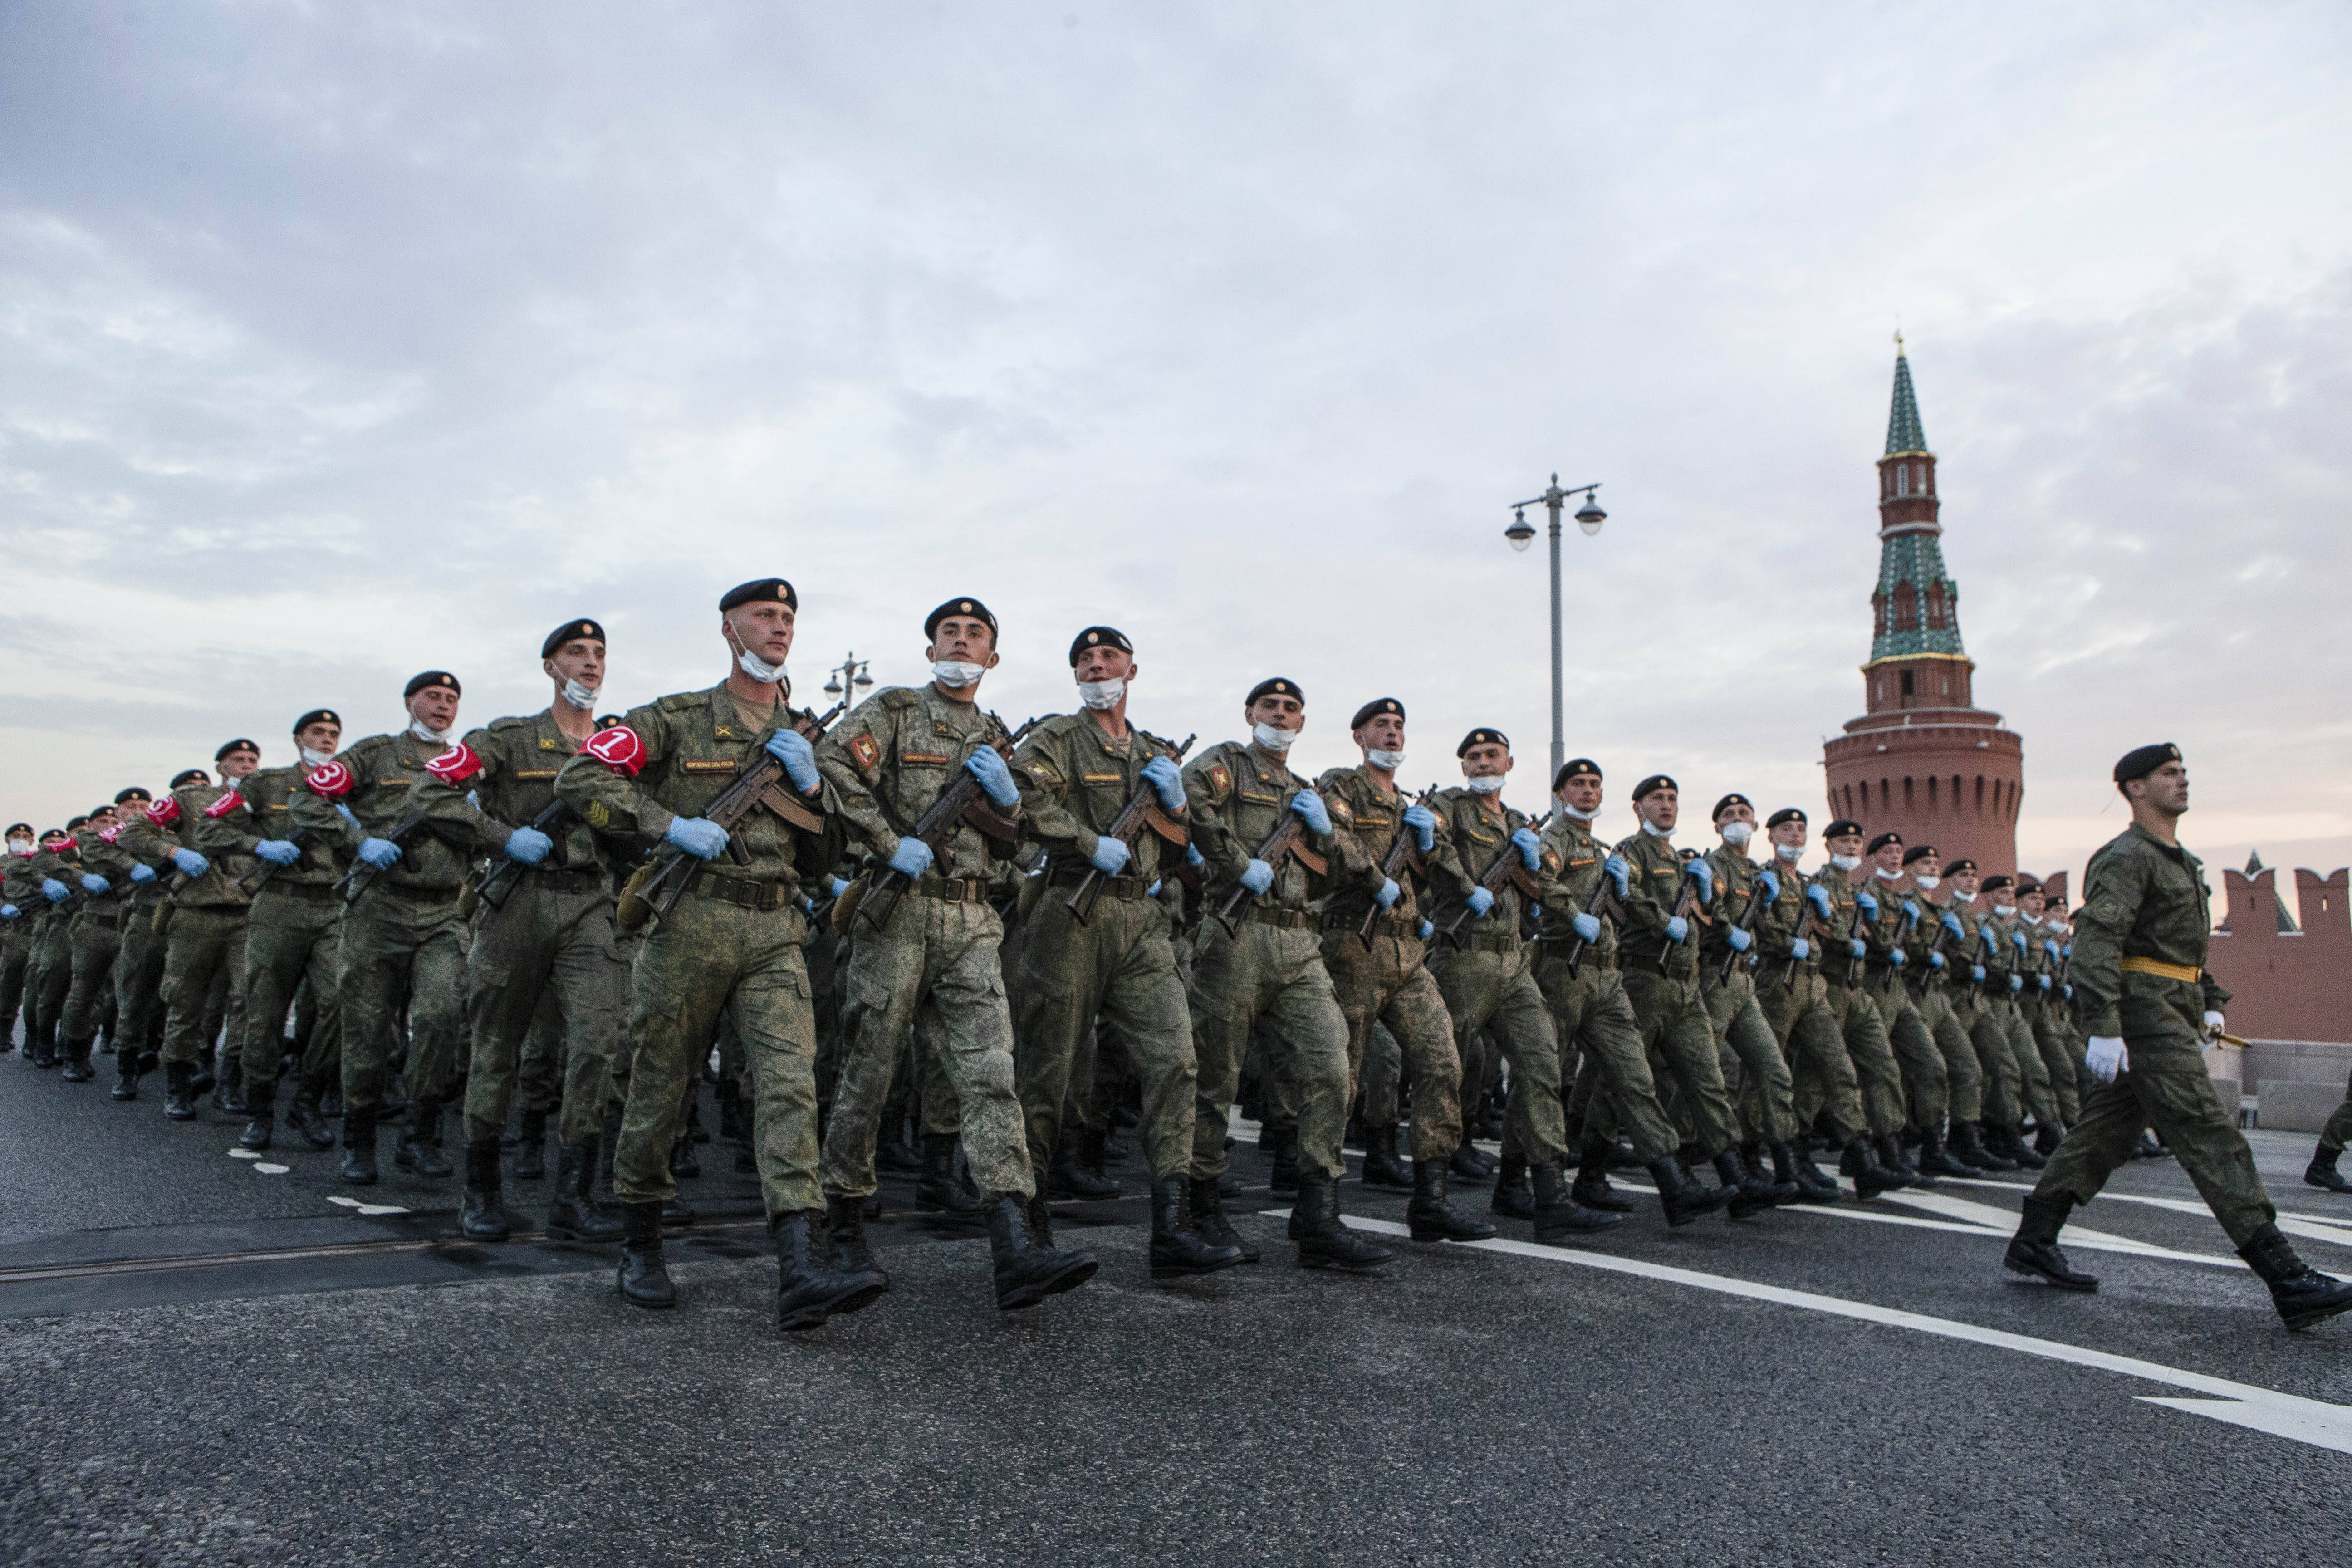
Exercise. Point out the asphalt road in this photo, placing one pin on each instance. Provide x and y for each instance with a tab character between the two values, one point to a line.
203	1362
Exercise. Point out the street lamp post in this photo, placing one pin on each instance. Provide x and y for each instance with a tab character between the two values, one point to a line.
1521	534
848	676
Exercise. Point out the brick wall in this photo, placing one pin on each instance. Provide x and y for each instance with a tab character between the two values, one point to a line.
2287	986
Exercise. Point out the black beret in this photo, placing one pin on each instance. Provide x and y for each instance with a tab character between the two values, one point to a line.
17	827
1098	637
48	834
582	627
763	591
2026	884
1917	852
191	776
440	677
2140	762
1482	737
124	797
1726	803
1881	842
972	608
1844	826
1996	884
609	719
1374	709
1653	783
74	822
237	746
100	809
1275	686
1786	814
1575	767
1960	868
318	716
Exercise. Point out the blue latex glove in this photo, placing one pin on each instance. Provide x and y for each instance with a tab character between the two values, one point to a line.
1855	948
1152	892
1935	961
2070	992
1617	871
2017	940
1951	922
1868	902
1426	930
2051	948
1161	773
994	777
835	887
2015	983
1740	941
529	846
1481	901
9	911
1530	849
1535	912
1800	949
1112	855
379	852
913	858
790	747
1897	957
189	861
1823	905
2067	951
56	893
1424	822
94	884
2045	981
1587	927
1310	809
1677	928
703	839
1388	894
278	851
1700	872
1771	883
1911	909
1192	856
142	875
1976	973
1257	877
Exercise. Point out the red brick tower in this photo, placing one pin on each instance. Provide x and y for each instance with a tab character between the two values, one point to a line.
1922	760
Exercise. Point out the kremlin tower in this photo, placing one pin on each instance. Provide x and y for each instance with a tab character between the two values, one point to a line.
1922	760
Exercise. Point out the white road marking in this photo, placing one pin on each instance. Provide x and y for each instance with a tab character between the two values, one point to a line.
354	1203
245	1154
2311	1227
266	1168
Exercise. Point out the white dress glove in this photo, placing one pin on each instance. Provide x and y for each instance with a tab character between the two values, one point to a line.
2105	1057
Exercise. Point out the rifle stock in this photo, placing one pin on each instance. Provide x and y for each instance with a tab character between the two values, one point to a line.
1142	810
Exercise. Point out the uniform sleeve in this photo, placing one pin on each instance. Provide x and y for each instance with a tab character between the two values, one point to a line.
230	832
1644	911
1041	768
454	819
1553	890
242	829
144	842
605	794
1355	864
1207	787
850	759
1450	881
319	817
2115	885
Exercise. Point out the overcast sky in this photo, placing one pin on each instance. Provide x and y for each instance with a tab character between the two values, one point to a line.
342	341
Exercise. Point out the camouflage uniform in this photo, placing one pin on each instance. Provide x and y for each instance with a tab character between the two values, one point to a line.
1661	982
1859	1021
293	933
1926	1082
1932	991
48	967
2045	1019
1999	1084
1744	1041
97	930
205	936
2004	984
1795	1001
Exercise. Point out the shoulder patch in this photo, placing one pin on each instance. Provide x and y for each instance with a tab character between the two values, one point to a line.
1220	780
866	751
1039	768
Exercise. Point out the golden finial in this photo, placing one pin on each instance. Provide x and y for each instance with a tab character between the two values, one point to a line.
1899	343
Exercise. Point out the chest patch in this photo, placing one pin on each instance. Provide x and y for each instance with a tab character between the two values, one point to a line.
923	759
1261	799
705	766
1103	778
534	772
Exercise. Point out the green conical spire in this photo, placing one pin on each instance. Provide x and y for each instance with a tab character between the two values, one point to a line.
1903	432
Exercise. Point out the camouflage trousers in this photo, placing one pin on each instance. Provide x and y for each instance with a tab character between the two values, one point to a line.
16	954
1796	1007
48	978
1388	983
204	948
1615	1087
89	1000
139	981
2054	1043
2033	1074
401	949
1749	1055
929	952
1273	970
1680	1038
548	939
1926	1082
1877	1075
538	1073
1489	984
2333	1135
1999	1082
1380	1080
712	960
1116	968
293	935
1961	1071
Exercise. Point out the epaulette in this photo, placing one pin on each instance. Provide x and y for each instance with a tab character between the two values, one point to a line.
900	698
681	701
512	721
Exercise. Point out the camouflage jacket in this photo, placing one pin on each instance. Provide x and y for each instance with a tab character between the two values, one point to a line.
1471	840
887	760
2142	898
1237	794
380	771
1571	872
517	760
1655	878
1075	780
1365	821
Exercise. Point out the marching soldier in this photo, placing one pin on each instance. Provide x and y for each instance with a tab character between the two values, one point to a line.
54	867
1076	773
1996	1075
19	893
1744	1042
888	761
2151	1007
2038	1002
1930	976
1847	917
107	884
1926	1082
137	1035
203	915
2000	952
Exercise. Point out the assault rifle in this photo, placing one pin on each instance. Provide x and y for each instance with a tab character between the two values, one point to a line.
1289	838
1602	906
495	883
1853	964
1141	811
962	801
1685	909
1757	904
362	876
1403	850
1505	869
253	881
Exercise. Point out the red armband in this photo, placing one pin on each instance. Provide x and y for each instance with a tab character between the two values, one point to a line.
164	812
227	803
108	835
618	749
330	781
455	765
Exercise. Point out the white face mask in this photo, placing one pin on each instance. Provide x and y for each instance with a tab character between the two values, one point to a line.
1884	875
1789	852
1656	832
1486	783
20	847
1272	740
584	697
438	737
1390	760
1928	884
2004	911
1102	696
949	673
1573	814
1738	834
749	663
316	759
1846	862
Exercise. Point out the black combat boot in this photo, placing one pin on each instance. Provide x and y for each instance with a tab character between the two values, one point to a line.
304	1119
1209	1221
358	1147
1935	1159
1793	1169
483	1217
642	1278
2046	1138
1870	1178
683	1165
2322	1173
1095	1156
261	1116
180	1091
73	1066
126	1074
676	1214
809	1286
1429	1218
1028	1268
2034	1248
1178	1248
2150	1148
1558	1216
844	1223
419	1149
1324	1242
572	1213
2001	1140
896	1153
1514	1199
531	1148
1593	1188
229	1098
1746	1193
1891	1156
941	1188
1383	1165
1968	1147
1468	1164
1281	1147
1685	1197
2302	1295
1070	1177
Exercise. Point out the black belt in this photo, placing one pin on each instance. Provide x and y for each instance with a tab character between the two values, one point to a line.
416	895
1382	925
952	889
315	892
1289	920
759	896
1557	946
576	881
1488	941
1110	887
103	914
